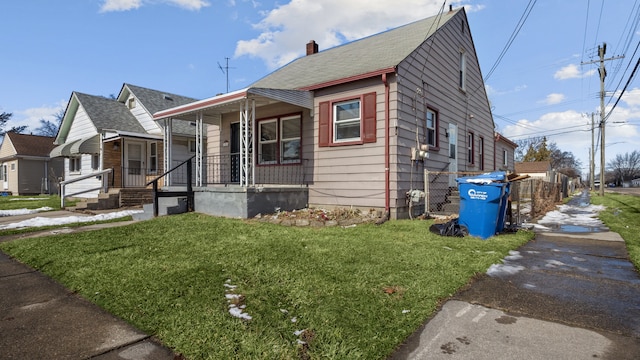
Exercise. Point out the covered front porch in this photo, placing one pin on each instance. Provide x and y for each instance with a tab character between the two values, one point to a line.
253	161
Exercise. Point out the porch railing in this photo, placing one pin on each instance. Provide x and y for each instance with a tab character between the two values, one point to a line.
101	174
225	170
189	193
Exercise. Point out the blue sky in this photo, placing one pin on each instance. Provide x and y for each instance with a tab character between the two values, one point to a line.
540	87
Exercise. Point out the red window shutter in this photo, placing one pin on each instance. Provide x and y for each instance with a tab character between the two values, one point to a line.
369	117
324	124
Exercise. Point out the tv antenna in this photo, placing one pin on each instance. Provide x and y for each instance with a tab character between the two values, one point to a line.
225	70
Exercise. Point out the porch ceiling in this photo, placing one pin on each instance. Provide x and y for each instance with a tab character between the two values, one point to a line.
213	108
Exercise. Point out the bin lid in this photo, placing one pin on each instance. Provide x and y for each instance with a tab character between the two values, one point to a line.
486	178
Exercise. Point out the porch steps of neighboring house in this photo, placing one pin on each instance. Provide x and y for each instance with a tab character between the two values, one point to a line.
452	204
109	200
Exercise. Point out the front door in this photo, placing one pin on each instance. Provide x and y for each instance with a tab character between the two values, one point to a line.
134	171
235	152
453	154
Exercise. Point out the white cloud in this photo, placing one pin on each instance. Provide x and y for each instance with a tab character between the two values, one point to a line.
554	98
126	5
285	30
572	71
632	97
31	117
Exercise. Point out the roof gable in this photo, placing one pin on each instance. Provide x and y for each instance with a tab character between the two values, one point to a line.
31	145
153	100
108	114
380	52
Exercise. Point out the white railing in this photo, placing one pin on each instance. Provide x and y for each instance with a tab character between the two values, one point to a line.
102	174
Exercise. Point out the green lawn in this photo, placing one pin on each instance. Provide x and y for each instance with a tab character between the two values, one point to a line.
622	215
354	292
29	202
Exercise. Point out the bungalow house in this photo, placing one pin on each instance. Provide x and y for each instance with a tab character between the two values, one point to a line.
535	169
25	165
504	152
98	134
355	126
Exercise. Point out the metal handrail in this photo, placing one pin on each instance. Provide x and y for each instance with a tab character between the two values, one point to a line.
104	186
188	193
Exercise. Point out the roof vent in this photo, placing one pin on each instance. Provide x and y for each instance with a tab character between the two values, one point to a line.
167	97
312	47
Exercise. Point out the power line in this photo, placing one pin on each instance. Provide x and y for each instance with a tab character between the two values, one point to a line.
515	32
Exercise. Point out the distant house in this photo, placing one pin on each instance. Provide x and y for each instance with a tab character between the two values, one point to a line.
25	165
98	133
504	153
536	169
344	127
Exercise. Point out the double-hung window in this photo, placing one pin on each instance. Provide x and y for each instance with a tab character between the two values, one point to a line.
505	157
279	140
462	81
75	164
481	153
346	124
431	128
348	121
153	158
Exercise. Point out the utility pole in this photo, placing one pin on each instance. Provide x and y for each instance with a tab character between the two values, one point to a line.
592	166
603	73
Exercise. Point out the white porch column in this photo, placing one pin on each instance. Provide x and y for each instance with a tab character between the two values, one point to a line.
247	118
168	149
199	128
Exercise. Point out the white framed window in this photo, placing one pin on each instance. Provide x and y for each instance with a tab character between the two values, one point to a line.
290	136
131	103
153	157
505	157
13	166
3	172
268	143
462	81
346	121
75	164
192	146
481	153
95	161
431	128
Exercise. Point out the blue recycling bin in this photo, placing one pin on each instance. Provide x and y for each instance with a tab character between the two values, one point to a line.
483	203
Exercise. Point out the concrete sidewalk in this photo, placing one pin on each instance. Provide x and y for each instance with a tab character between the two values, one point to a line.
562	296
41	319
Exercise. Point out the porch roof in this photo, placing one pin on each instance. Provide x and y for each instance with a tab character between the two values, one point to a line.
215	106
86	145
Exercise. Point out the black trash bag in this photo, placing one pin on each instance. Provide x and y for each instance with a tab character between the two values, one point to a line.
450	228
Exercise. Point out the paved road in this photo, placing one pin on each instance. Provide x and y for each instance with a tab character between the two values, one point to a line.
561	296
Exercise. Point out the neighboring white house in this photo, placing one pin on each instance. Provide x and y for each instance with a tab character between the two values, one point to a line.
99	133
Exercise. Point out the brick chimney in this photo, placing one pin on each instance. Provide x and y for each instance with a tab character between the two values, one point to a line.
312	47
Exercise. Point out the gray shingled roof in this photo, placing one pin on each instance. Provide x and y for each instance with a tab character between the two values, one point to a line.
109	114
155	100
376	52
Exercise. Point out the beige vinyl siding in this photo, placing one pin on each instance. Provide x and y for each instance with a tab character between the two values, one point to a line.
350	175
12	177
429	78
7	149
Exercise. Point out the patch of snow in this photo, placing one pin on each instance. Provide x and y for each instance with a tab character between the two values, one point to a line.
43	221
406	311
513	255
554	263
578	258
504	269
529	286
294	319
298	332
15	212
28	199
234	311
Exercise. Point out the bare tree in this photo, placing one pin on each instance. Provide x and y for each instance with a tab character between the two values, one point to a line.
50	128
625	167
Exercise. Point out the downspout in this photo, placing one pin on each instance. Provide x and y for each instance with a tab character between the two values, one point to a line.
387	195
